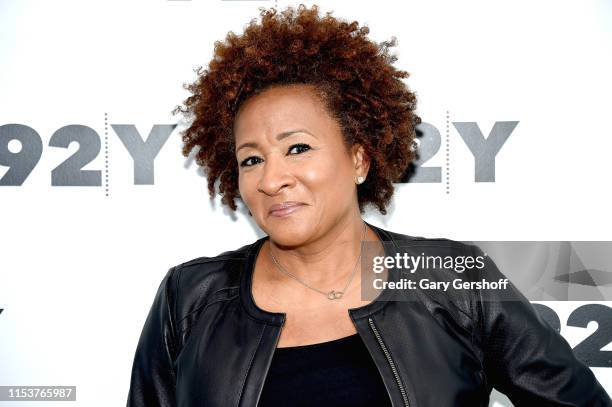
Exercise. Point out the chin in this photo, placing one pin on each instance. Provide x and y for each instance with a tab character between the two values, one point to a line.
289	232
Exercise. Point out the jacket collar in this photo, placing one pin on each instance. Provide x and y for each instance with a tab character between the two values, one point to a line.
278	318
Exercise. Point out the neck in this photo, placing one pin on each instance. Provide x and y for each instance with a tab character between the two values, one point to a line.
327	262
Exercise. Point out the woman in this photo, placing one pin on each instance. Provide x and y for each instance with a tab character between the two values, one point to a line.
306	121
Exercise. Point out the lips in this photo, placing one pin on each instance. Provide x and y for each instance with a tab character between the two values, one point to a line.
285	208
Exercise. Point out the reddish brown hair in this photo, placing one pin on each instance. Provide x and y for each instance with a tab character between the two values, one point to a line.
354	76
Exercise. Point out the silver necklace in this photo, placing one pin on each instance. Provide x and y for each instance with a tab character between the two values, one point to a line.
333	294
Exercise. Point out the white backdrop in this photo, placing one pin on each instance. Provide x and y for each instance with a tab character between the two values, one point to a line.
79	265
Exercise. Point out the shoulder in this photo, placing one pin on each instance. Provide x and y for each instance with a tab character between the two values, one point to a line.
222	268
193	284
443	261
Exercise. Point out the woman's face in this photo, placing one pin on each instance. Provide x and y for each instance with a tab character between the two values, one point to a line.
290	151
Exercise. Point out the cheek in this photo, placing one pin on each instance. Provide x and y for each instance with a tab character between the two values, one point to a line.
329	180
245	187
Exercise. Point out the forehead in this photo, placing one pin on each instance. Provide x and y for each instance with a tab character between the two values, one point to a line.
279	106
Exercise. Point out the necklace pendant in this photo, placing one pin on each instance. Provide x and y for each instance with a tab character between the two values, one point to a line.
334	295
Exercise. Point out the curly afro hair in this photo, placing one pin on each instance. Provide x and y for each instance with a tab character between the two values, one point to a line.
353	75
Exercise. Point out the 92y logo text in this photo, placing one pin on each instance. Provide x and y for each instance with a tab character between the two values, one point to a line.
143	153
70	172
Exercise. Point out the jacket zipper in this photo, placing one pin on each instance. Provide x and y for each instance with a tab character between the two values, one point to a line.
391	363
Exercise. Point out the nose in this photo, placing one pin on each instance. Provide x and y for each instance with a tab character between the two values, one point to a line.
275	175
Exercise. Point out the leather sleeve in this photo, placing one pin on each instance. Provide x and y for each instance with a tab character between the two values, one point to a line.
153	379
525	358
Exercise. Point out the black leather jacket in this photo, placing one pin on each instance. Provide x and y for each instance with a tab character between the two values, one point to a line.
206	343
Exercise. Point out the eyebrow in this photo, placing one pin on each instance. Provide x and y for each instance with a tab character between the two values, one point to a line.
279	137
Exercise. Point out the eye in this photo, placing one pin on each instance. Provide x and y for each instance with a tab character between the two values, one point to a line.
301	147
245	162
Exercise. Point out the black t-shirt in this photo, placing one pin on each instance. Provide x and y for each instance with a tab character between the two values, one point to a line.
335	373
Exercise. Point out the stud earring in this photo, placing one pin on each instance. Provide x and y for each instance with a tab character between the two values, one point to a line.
360	180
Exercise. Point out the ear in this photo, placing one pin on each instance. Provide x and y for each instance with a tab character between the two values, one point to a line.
361	161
